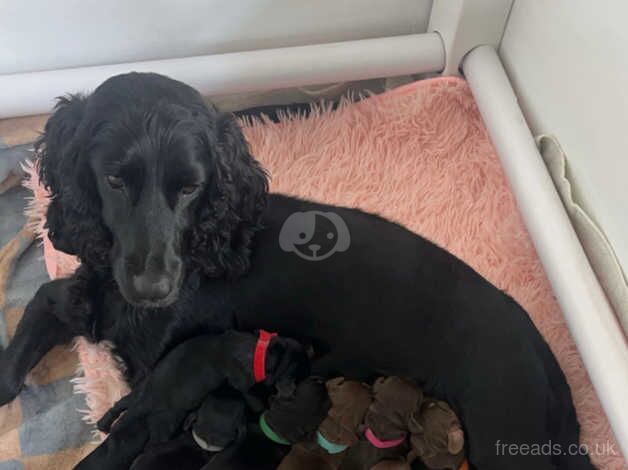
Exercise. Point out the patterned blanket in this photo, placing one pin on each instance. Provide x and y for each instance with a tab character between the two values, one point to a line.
42	428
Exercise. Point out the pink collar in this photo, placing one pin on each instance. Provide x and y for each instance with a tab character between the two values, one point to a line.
382	444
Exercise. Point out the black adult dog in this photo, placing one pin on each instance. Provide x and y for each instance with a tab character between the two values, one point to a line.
158	195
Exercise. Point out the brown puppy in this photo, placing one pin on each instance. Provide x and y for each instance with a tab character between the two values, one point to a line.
395	399
436	436
350	402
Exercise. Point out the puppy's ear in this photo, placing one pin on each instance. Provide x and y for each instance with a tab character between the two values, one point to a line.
234	201
455	439
73	217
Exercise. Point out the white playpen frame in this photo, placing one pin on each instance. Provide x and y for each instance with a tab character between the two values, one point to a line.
589	316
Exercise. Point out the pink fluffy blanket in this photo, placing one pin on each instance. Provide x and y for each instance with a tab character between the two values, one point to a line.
418	155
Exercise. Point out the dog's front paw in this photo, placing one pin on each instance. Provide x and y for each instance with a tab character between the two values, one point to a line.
7	393
9	389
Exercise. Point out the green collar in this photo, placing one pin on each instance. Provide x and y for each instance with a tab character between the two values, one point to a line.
330	447
269	433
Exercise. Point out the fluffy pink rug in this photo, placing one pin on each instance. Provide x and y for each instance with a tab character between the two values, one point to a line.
418	155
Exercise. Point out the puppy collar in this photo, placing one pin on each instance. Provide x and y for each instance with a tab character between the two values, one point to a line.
269	433
330	447
203	444
382	444
259	358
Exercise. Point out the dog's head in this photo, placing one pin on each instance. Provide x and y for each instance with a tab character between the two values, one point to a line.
149	181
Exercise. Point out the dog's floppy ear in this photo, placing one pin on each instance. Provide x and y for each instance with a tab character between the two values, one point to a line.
234	201
73	217
54	144
455	440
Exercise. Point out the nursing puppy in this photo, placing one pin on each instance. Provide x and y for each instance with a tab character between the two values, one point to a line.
436	436
220	422
156	410
295	418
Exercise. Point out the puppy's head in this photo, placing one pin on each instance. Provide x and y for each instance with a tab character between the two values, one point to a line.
296	417
437	436
148	181
218	422
394	401
350	401
287	363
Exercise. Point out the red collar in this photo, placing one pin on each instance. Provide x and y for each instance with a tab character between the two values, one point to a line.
259	358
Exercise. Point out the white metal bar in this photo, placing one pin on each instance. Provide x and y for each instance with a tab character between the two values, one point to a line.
33	93
589	316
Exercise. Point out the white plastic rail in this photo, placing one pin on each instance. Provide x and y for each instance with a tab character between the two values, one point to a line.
33	93
589	316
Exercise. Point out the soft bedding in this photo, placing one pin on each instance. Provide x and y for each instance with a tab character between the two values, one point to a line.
418	155
42	428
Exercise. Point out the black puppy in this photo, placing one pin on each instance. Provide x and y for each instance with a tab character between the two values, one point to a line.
219	422
212	435
156	409
295	418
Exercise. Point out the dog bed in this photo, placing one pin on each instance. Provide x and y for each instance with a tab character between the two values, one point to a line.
418	155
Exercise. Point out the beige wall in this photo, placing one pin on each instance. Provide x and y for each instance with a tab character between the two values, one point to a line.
568	60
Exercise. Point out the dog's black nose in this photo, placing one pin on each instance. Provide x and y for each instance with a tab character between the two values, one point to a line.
152	287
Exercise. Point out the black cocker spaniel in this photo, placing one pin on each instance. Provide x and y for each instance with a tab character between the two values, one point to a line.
158	195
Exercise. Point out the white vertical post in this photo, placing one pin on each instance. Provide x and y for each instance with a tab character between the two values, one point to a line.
589	316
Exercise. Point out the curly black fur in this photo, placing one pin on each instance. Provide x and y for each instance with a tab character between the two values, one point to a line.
220	243
73	220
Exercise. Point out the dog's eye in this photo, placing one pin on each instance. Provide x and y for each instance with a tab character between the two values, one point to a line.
115	182
188	189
